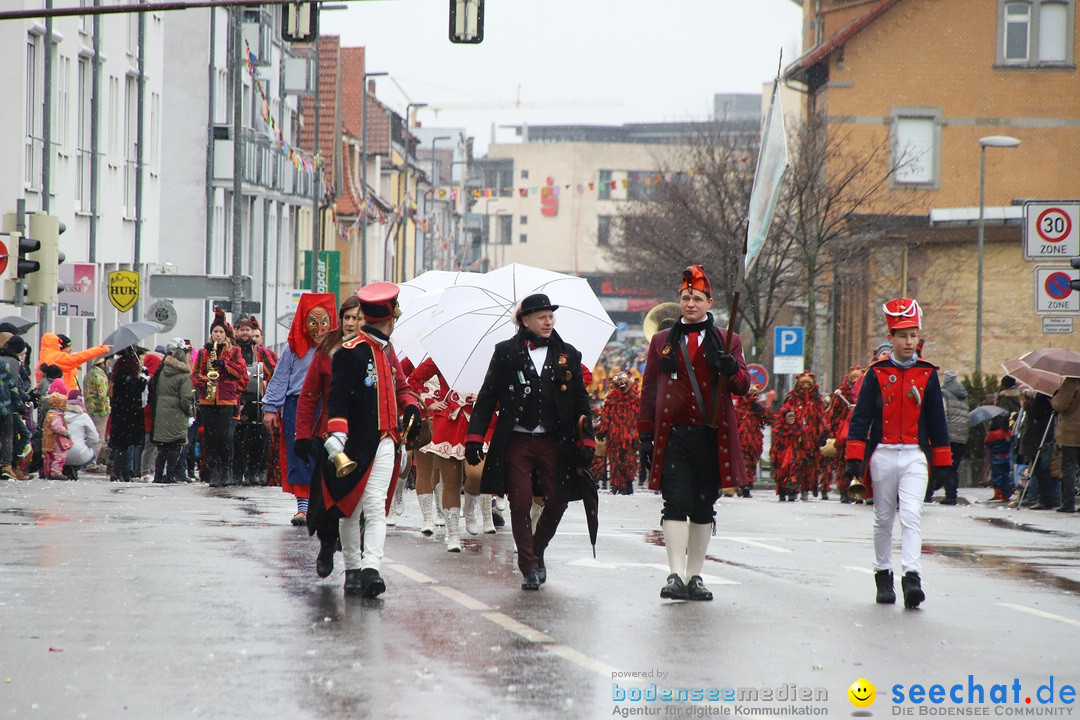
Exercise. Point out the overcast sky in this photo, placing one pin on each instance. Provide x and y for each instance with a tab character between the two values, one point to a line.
585	61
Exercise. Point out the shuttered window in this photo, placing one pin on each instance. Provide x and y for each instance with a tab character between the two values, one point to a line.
1053	32
914	150
1035	33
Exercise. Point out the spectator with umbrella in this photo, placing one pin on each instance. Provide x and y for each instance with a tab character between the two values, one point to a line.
127	429
1066	403
172	405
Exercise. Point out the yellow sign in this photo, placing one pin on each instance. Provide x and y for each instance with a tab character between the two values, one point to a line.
123	289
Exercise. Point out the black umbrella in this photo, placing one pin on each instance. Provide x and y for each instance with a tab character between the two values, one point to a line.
590	498
130	334
20	323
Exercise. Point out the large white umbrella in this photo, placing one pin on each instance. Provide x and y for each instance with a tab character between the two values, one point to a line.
429	282
415	320
470	319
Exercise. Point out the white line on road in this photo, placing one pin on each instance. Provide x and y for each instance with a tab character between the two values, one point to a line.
755	543
470	603
410	573
590	563
569	653
518	628
866	570
1042	614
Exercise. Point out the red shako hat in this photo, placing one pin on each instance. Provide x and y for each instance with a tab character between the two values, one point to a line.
901	313
377	301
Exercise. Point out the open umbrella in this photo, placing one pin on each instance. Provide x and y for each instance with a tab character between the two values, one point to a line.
19	322
985	412
1043	370
416	314
430	281
130	334
470	319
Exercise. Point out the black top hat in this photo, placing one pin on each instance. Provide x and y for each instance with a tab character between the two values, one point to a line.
535	303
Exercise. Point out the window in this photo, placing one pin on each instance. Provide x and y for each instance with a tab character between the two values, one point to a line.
35	99
524	174
639	186
523	238
603	230
1035	33
61	103
605	185
155	131
506	182
114	118
916	146
506	229
523	220
83	159
131	143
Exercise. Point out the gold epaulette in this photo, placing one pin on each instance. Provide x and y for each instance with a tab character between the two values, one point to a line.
358	339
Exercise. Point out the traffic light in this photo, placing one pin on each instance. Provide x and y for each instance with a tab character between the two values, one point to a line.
300	22
44	284
467	21
1075	262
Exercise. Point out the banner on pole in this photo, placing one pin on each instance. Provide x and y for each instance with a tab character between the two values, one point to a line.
772	165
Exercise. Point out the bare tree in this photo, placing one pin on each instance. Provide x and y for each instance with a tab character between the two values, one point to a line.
700	218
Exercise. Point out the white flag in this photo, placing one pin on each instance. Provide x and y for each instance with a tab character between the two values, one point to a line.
772	164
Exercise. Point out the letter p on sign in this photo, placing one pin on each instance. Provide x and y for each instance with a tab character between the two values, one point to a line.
788	341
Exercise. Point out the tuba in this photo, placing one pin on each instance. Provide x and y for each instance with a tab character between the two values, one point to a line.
212	376
658	316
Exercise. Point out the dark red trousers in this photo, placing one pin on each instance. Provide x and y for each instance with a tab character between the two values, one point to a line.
530	457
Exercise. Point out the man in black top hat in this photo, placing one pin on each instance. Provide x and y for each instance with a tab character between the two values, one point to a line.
535	379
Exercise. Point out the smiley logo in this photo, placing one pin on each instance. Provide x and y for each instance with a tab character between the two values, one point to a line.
862	693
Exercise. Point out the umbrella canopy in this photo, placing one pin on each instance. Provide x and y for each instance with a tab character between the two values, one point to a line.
19	322
1043	370
130	334
430	281
470	319
985	412
415	320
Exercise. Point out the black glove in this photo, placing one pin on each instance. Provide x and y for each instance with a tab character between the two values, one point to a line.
219	364
645	451
585	455
302	448
853	468
411	415
727	365
474	452
938	475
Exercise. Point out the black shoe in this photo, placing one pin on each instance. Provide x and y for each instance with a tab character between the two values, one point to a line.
541	570
948	501
885	593
912	587
783	498
1067	509
746	491
1042	506
497	518
372	583
675	589
354	584
531	581
845	499
824	495
815	492
696	590
324	562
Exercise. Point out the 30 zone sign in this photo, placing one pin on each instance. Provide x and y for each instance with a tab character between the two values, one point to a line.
1051	230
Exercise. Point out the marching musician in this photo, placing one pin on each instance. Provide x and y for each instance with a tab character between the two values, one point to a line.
218	375
252	447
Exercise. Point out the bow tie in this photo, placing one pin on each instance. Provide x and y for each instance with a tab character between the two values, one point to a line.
531	345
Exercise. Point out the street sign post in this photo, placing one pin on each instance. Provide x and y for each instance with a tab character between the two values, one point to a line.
788	350
1053	292
208	287
1051	230
758	375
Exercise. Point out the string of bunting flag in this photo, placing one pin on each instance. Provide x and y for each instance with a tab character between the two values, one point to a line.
555	189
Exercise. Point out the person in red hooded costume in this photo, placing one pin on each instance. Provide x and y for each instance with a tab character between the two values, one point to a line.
687	425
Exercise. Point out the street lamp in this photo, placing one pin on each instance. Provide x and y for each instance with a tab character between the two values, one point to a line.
1000	141
363	174
429	253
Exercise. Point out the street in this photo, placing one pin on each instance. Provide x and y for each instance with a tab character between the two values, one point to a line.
168	601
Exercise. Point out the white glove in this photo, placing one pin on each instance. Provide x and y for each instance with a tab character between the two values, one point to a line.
335	444
190	421
403	460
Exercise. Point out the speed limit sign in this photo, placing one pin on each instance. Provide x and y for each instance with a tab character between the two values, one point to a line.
1051	230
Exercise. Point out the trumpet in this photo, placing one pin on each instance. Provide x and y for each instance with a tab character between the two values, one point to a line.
212	375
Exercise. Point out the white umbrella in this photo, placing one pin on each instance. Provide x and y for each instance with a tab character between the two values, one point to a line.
430	281
415	320
470	320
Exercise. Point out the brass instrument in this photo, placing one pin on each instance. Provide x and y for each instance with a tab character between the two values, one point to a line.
212	376
856	489
343	464
658	316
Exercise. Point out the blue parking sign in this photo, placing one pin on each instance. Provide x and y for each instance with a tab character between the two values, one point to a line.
788	341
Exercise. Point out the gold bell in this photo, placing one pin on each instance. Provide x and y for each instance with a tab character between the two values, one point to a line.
856	489
343	464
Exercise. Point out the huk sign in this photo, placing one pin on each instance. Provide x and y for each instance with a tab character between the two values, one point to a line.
123	289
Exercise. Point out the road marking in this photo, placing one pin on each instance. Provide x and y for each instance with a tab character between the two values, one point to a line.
569	653
518	628
590	563
410	573
1040	613
755	543
460	598
866	570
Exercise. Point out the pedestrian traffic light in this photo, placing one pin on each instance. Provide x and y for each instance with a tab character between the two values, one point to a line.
300	22
467	21
44	232
1075	262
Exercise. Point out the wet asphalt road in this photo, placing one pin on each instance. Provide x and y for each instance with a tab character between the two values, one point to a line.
158	601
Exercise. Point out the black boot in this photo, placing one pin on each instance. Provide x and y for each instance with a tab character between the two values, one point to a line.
845	499
372	583
324	563
353	582
912	587
746	491
696	589
675	589
541	570
885	593
530	580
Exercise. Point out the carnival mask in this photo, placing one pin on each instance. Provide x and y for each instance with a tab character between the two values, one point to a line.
317	323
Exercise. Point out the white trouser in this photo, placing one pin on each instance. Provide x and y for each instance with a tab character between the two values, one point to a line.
899	474
373	506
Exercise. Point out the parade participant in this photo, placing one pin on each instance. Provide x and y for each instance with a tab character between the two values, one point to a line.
257	338
535	380
56	350
315	316
752	419
786	438
97	404
311	424
618	424
218	373
899	426
369	404
252	442
450	411
696	451
805	400
836	423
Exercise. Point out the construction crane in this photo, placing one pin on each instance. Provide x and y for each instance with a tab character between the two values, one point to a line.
518	104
